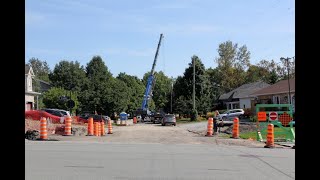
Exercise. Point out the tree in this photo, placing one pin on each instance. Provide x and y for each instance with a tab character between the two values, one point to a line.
286	66
273	71
135	91
68	75
52	98
215	81
161	90
256	73
232	64
184	85
95	94
40	68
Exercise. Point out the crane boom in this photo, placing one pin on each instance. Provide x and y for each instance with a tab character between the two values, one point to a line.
150	83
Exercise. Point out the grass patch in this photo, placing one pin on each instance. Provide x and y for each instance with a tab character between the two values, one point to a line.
225	135
277	134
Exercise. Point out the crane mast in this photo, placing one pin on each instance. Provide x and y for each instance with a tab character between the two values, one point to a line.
150	82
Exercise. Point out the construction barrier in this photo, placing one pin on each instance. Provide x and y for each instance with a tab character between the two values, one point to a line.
103	132
280	115
96	129
43	129
270	137
235	130
67	127
210	127
134	120
109	127
90	127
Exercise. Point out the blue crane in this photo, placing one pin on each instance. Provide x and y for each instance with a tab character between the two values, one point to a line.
150	84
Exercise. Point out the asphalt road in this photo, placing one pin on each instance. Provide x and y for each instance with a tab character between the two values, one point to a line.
81	160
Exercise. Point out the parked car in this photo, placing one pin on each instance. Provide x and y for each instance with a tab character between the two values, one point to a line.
147	119
37	114
58	112
169	119
96	118
139	118
227	117
157	117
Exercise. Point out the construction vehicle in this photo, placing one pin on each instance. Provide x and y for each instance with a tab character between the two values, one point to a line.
144	111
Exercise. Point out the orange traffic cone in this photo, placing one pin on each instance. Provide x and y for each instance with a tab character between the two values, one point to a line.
109	127
96	129
210	127
134	120
270	137
235	130
67	127
90	127
43	129
103	132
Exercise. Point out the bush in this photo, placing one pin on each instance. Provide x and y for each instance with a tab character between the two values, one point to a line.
253	118
199	118
210	114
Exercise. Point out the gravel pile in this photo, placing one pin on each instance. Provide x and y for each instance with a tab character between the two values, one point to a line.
244	128
32	134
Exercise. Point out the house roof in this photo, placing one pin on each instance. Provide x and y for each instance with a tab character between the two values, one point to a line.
244	91
277	88
44	86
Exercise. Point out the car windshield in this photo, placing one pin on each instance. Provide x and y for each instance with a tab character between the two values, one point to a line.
169	116
64	113
226	112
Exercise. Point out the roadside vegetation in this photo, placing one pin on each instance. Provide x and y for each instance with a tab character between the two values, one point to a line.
94	89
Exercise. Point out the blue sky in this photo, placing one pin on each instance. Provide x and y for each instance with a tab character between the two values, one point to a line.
125	33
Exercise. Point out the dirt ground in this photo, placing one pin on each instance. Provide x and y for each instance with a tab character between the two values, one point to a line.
190	133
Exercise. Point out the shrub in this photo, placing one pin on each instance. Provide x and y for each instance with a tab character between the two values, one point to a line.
210	114
253	118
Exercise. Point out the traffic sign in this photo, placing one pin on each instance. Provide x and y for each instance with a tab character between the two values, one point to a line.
273	116
262	116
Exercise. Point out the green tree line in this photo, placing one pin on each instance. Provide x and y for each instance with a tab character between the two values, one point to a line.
94	88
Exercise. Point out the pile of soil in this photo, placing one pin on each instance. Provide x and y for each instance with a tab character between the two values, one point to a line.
79	131
244	128
32	134
75	130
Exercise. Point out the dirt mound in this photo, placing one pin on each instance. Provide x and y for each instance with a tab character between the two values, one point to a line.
32	134
242	127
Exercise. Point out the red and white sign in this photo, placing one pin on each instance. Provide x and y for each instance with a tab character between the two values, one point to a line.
273	116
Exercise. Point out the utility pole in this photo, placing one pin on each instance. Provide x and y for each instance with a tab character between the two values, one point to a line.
194	85
288	80
171	96
287	60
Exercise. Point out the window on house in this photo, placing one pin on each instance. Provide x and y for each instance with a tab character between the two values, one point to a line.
276	99
29	83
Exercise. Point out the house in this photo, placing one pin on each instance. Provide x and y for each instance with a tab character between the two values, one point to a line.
240	97
29	93
277	93
44	86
